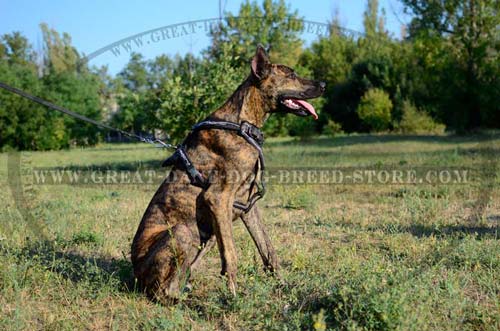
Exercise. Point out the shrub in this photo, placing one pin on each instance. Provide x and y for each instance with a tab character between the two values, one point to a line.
277	125
302	127
375	109
415	121
332	128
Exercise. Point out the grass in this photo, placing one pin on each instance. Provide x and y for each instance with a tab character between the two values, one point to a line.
354	257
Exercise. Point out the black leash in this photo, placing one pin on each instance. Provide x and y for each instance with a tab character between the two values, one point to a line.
155	142
250	133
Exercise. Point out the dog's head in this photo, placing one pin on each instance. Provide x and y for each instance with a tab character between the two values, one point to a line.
282	89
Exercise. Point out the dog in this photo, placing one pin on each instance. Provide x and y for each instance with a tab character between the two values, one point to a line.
183	221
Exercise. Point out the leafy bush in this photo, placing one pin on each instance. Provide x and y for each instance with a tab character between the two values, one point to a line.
332	128
302	127
187	100
418	122
375	109
276	125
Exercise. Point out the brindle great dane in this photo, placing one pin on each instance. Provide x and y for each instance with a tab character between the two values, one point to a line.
183	221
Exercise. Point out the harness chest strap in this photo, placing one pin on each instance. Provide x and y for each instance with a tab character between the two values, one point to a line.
249	132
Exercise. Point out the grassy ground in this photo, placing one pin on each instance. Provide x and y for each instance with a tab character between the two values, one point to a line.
354	257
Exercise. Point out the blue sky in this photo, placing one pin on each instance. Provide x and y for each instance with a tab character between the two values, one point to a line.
94	24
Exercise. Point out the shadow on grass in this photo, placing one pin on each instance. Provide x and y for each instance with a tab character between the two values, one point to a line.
96	270
457	231
121	147
319	142
118	166
157	164
387	138
342	309
479	231
450	152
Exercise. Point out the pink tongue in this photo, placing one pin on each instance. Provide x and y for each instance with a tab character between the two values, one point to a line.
307	106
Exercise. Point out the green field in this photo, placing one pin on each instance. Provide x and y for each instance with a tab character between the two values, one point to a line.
353	256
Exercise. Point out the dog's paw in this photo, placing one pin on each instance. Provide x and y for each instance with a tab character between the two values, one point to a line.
272	267
231	282
232	287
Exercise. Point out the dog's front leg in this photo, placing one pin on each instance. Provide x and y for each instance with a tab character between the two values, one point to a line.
219	203
252	221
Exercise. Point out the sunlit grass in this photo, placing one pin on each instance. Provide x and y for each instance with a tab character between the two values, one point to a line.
375	257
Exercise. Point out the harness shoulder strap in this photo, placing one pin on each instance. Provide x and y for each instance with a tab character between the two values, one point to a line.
249	132
180	159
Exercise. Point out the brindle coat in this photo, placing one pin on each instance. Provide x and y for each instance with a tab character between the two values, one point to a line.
183	221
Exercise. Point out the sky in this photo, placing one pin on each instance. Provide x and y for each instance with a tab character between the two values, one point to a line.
94	24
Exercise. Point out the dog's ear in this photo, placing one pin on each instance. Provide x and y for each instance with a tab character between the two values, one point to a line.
261	65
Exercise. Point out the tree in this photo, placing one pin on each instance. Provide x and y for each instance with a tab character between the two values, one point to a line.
351	66
135	92
373	23
135	74
135	112
80	93
24	125
375	109
161	69
273	25
330	60
58	78
467	35
15	68
70	83
187	100
59	55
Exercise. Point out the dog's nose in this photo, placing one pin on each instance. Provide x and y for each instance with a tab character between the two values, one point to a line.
322	86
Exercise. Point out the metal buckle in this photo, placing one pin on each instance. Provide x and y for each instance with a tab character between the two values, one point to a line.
252	131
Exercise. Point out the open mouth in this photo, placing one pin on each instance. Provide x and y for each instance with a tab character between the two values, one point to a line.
299	107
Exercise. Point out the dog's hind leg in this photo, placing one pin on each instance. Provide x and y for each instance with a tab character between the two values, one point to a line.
206	248
252	221
166	268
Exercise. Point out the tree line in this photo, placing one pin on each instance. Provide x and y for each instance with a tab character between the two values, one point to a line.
443	73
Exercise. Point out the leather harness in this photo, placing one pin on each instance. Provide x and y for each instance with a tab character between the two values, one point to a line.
252	134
